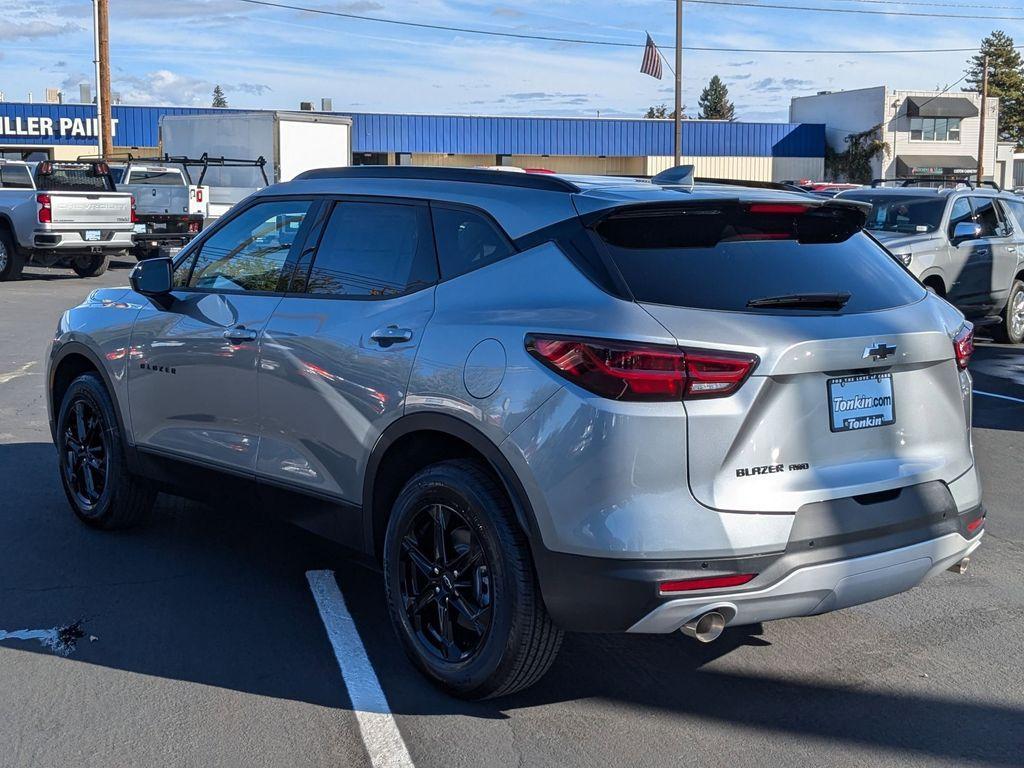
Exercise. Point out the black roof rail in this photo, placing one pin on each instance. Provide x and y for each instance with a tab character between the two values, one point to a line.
204	161
539	181
781	185
992	184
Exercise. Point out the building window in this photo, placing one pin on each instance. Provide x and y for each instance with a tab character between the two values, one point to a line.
935	129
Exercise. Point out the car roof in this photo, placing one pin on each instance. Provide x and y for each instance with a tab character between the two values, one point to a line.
520	202
920	191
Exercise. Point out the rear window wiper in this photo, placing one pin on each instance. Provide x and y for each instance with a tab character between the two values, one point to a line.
803	301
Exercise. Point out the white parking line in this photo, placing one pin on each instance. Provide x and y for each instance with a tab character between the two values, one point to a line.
23	371
1001	397
377	725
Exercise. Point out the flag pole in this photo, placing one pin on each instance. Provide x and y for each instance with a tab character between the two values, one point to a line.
678	143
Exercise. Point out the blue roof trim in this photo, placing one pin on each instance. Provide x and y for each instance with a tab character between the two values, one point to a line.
139	127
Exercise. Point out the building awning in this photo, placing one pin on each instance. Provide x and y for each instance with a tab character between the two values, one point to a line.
947	106
935	165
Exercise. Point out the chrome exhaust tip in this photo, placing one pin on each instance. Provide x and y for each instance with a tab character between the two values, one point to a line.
960	567
705	628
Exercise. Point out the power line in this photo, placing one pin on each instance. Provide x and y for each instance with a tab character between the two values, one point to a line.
606	43
855	11
936	5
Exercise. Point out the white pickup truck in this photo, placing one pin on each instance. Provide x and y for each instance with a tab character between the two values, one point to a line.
61	214
169	209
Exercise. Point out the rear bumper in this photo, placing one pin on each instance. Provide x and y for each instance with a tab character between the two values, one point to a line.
820	588
75	240
839	553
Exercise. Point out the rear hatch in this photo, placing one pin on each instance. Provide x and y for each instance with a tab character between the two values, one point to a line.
856	388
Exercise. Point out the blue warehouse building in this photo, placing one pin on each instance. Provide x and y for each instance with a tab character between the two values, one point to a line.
761	151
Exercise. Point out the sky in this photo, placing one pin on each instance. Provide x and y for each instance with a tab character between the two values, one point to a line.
173	52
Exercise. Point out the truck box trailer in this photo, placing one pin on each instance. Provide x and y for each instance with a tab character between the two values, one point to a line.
291	142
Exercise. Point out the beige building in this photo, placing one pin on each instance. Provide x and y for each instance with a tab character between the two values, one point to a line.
930	134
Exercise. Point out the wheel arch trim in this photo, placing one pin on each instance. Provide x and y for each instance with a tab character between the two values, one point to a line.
82	350
461	430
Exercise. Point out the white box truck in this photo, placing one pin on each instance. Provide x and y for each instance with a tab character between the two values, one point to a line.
291	142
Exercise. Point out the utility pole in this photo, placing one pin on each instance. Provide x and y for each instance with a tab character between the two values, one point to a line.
678	143
981	125
102	16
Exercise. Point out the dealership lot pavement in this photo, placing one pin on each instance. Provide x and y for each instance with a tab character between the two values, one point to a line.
202	644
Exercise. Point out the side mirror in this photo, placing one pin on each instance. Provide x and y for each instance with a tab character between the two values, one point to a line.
966	230
153	277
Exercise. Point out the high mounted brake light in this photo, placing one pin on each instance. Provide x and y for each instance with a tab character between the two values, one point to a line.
622	370
779	209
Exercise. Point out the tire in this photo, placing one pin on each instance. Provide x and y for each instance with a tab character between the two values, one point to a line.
114	498
90	265
519	641
11	260
1011	329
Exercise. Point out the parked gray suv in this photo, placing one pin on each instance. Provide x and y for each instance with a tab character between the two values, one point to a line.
541	403
965	244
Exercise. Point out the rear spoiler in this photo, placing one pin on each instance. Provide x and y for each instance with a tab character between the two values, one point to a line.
806	219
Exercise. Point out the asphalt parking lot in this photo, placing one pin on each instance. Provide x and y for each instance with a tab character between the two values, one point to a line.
201	643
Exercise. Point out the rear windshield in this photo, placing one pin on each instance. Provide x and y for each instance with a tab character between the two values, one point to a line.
155	177
75	177
906	214
678	261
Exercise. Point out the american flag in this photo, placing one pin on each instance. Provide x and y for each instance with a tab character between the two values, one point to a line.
651	64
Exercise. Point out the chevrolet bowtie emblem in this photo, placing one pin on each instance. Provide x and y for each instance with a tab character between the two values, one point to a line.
879	351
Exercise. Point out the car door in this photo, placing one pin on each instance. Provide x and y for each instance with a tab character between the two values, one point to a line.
962	256
192	381
339	349
991	252
1005	257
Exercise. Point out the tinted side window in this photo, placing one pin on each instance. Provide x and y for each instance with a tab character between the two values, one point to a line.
374	249
250	251
466	241
15	177
1016	208
960	212
987	216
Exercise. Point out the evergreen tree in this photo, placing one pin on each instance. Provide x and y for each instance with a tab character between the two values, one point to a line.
1005	81
219	99
714	101
661	112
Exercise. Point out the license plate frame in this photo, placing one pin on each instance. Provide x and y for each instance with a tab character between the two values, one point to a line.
844	412
93	235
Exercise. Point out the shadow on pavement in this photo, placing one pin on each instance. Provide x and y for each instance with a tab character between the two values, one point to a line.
220	598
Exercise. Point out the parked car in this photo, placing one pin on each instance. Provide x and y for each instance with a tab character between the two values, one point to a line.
61	214
542	402
965	244
169	209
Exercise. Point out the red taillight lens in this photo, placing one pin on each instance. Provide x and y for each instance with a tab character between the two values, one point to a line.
963	345
199	194
134	217
975	524
624	371
711	582
45	209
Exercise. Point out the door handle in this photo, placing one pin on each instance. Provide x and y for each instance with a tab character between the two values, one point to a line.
392	334
239	334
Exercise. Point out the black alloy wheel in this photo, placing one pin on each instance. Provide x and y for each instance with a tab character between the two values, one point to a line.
445	583
91	459
85	454
460	586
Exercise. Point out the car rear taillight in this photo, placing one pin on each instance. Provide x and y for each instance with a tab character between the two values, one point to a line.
622	370
710	582
199	195
135	218
963	345
44	209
